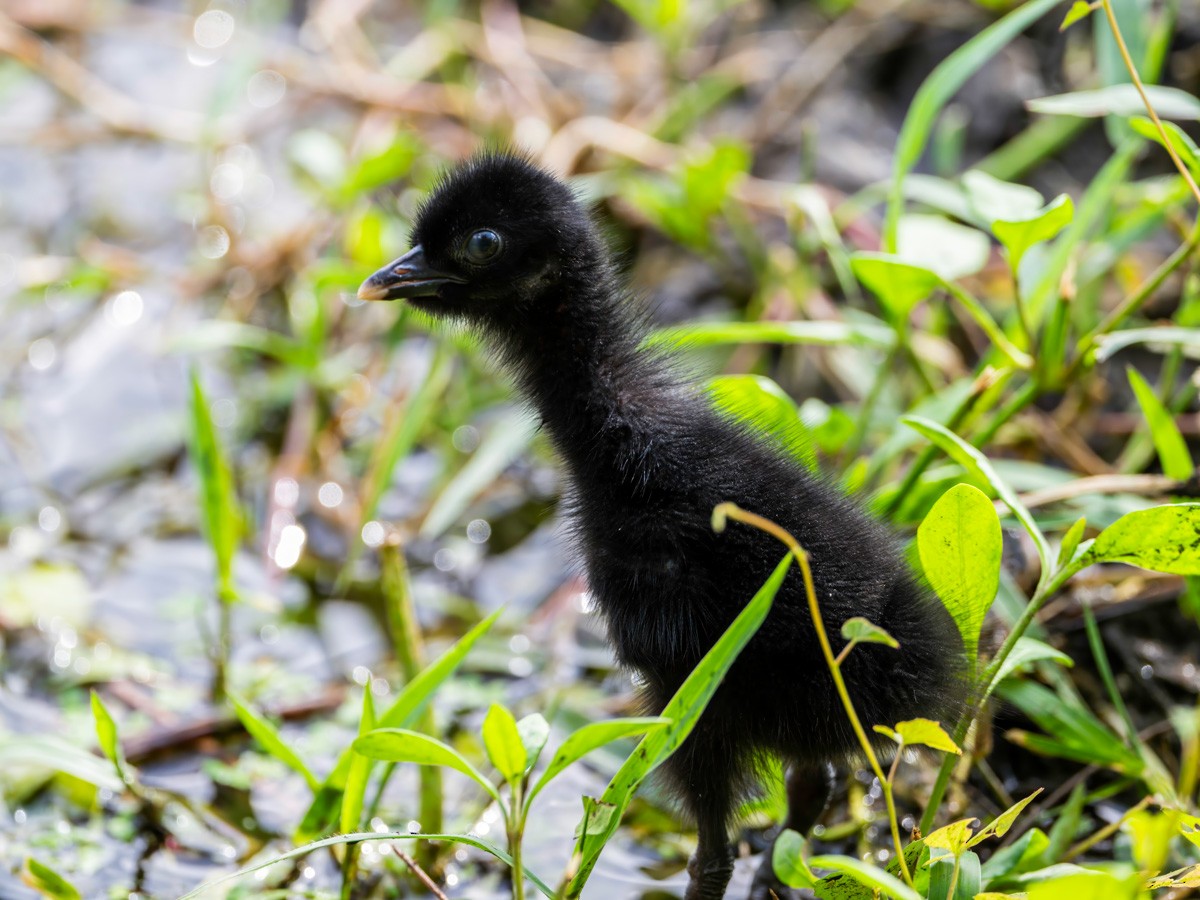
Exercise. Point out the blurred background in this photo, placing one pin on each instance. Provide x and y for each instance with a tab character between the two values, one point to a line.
201	187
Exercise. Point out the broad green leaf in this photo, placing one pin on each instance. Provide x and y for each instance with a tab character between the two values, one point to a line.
1019	234
1021	855
898	284
787	859
534	731
764	405
960	545
1162	539
1150	836
1070	541
48	882
1119	100
954	878
999	826
106	736
862	631
1086	885
269	738
1172	448
591	737
217	498
357	838
1181	142
936	92
946	248
401	745
707	334
866	874
1189	827
921	733
1025	651
1079	11
503	743
992	199
684	709
409	703
1187	338
501	445
971	459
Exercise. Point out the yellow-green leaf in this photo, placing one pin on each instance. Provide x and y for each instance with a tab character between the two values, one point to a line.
1079	11
1162	538
960	546
862	631
503	742
1172	448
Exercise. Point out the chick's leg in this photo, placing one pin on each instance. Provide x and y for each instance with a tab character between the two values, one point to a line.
809	788
705	772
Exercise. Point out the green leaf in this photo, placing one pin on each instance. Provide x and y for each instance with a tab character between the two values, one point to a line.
898	284
954	878
1155	338
960	545
684	709
269	738
829	334
1162	539
534	731
765	406
48	882
1087	885
953	838
1079	11
1019	234
999	826
1150	837
503	743
1119	100
862	631
1070	541
1172	448
401	745
866	874
920	733
978	465
359	773
409	704
787	859
991	199
106	736
217	498
937	91
1181	142
951	250
1025	651
591	737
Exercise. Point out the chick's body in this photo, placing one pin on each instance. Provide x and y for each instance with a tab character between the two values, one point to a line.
648	458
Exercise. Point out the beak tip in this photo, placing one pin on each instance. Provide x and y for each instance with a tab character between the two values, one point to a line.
370	291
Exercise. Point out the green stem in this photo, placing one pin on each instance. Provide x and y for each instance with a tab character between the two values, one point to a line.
835	669
410	654
997	336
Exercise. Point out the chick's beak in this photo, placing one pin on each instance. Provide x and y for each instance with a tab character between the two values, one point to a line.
408	276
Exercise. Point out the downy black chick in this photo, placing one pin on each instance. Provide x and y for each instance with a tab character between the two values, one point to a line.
506	248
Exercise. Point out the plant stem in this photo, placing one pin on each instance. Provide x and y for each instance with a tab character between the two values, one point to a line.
732	511
410	654
516	828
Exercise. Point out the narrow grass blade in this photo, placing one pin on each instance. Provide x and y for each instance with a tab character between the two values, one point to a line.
217	499
268	737
1172	448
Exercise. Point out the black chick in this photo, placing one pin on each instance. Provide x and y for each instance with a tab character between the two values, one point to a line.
506	248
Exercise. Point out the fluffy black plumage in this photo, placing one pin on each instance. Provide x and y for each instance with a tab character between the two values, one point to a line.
506	247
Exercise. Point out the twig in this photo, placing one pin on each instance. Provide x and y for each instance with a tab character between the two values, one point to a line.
1143	485
421	874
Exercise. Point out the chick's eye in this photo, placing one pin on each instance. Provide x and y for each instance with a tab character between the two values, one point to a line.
483	246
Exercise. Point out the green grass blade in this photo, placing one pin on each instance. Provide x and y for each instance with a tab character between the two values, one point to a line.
359	837
1172	448
708	334
268	737
218	502
938	89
